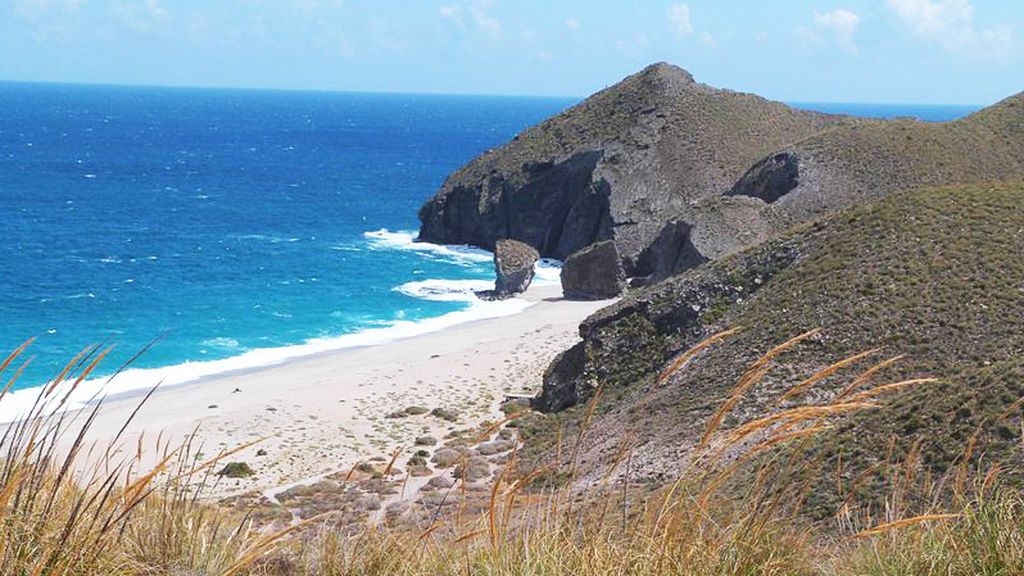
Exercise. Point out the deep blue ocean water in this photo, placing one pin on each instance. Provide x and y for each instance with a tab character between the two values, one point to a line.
238	227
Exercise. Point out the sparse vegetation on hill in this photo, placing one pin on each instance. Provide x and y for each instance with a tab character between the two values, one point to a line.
871	158
934	275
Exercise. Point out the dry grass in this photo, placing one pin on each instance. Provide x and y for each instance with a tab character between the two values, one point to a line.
75	508
60	515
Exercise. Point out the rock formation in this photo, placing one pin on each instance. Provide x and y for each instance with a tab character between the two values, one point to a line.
677	173
617	166
593	273
513	264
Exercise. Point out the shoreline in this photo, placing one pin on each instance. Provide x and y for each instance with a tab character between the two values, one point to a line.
243	371
137	381
321	413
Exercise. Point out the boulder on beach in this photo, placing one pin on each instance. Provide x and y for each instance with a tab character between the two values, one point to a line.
513	264
593	273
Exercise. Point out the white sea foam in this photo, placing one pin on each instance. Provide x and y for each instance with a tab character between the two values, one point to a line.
438	290
16	404
221	342
547	272
266	238
385	239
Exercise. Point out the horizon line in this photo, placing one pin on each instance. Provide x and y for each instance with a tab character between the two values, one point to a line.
795	102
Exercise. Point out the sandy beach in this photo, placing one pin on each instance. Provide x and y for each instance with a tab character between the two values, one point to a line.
323	414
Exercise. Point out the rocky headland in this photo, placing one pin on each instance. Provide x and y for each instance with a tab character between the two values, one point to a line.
677	173
618	166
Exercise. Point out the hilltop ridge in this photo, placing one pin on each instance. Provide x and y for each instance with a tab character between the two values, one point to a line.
677	172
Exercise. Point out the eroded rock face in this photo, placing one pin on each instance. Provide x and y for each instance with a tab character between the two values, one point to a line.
671	252
513	263
770	179
593	273
563	381
627	341
556	206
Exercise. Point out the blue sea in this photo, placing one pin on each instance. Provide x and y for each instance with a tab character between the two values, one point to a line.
233	229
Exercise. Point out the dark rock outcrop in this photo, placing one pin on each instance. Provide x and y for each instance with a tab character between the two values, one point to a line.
563	381
628	341
557	207
769	179
618	166
593	273
513	264
671	252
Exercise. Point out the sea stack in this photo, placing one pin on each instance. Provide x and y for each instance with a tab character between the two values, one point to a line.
513	264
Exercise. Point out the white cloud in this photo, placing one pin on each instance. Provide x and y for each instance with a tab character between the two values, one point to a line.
950	24
842	24
453	13
679	19
572	24
707	39
139	15
33	9
478	12
48	20
934	18
484	20
314	5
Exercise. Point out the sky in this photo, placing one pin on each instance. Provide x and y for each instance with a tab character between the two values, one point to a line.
883	51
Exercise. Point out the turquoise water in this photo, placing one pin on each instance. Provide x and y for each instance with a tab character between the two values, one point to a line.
231	225
236	228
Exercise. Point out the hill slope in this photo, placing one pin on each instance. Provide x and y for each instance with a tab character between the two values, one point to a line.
618	165
935	274
869	159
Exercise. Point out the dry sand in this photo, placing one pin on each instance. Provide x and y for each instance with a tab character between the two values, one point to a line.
326	413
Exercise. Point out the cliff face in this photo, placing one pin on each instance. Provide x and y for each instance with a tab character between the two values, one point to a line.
617	166
556	206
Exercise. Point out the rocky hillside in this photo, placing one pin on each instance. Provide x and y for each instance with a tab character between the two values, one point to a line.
678	173
871	158
617	166
934	274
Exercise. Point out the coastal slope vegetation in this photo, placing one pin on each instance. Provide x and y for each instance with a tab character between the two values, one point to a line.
932	276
